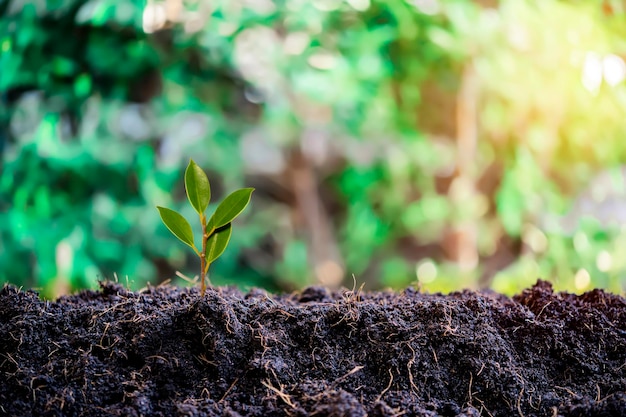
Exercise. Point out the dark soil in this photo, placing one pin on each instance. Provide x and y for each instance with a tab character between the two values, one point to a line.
168	352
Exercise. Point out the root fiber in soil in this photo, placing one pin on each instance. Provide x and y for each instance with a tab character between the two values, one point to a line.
168	352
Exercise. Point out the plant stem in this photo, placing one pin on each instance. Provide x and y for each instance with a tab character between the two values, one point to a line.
205	237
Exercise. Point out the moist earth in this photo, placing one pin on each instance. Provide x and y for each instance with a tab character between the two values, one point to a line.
166	351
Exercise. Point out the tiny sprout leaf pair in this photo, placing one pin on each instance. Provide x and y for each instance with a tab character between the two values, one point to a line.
217	230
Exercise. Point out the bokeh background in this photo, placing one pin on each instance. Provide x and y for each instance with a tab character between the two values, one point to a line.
443	144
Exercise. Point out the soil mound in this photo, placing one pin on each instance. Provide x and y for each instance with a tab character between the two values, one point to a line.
168	352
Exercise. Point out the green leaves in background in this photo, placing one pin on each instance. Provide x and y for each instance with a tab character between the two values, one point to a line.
197	187
178	225
231	207
384	89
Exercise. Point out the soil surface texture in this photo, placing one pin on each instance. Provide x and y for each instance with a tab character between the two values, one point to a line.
168	352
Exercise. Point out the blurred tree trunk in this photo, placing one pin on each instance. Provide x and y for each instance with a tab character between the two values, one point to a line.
461	244
324	254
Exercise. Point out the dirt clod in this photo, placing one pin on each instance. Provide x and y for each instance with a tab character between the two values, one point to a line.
166	351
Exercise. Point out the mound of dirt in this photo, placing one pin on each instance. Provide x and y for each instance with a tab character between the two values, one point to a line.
168	352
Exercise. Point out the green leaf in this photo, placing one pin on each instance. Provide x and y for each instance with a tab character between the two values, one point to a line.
82	85
63	67
177	224
210	226
217	242
197	186
231	207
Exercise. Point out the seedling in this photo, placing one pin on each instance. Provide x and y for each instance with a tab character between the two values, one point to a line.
217	230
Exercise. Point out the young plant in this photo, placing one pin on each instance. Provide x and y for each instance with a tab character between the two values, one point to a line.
217	230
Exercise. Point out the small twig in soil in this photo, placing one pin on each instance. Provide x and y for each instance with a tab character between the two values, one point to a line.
409	365
353	371
543	308
483	407
519	403
184	277
388	386
569	391
228	390
283	396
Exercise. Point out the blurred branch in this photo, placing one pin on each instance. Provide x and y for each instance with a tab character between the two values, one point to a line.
461	242
323	249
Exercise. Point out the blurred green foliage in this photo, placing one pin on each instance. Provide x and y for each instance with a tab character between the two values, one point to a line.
441	143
